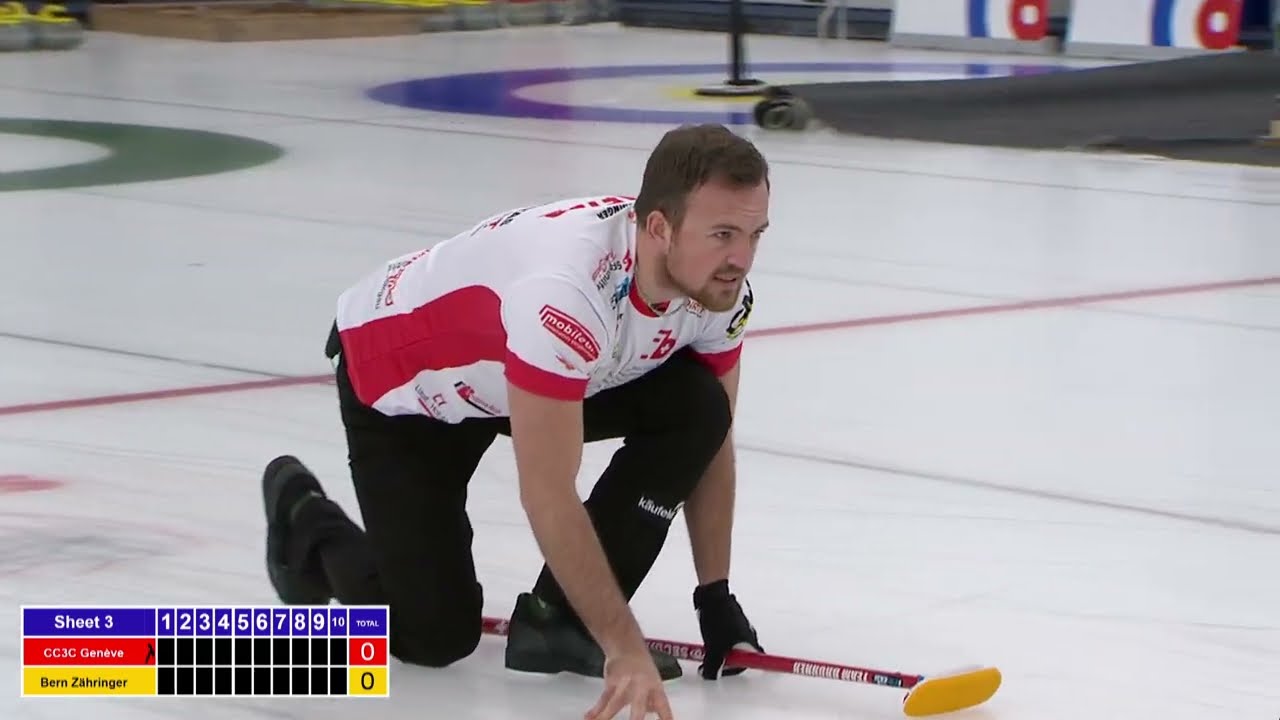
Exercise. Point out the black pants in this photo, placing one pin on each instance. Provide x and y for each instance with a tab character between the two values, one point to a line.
411	474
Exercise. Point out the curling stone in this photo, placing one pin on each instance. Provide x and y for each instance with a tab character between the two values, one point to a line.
572	12
15	36
560	12
439	22
476	15
782	111
54	29
534	12
15	31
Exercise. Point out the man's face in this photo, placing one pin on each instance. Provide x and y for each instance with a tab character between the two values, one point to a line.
710	254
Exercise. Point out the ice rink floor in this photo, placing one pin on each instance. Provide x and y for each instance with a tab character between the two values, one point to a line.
1007	408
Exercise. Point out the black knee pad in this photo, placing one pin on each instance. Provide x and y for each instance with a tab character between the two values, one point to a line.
702	408
698	420
686	422
448	647
440	640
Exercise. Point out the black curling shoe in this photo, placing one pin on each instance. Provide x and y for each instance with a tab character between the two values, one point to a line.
542	639
286	485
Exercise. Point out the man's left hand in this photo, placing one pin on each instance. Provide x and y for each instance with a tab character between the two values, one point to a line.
724	627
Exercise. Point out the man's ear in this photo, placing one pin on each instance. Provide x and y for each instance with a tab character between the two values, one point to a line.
655	223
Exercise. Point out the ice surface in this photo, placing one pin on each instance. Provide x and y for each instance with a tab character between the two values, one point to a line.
1084	496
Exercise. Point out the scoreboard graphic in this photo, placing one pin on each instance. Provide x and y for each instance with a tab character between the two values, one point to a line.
216	650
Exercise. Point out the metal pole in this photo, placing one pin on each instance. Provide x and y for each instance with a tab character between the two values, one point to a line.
737	24
737	84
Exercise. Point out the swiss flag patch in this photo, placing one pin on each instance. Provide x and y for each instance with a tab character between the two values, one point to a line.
569	330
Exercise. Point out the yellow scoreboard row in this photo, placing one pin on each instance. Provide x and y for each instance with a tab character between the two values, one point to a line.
188	681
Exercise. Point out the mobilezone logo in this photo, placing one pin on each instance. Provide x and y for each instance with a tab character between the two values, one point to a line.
560	324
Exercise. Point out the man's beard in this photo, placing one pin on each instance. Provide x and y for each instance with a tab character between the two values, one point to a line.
709	295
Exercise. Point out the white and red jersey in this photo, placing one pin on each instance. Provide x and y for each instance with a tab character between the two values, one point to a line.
542	297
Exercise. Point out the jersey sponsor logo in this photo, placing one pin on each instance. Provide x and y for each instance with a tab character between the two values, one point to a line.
620	292
605	269
470	397
608	200
432	405
695	308
739	322
572	332
664	343
395	270
607	266
612	210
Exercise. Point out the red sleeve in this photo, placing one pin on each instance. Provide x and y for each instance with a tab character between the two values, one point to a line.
720	362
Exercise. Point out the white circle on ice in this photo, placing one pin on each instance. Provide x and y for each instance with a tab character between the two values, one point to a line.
1218	21
1030	14
27	152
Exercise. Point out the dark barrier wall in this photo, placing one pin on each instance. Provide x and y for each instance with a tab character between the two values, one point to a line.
867	19
1210	107
1257	13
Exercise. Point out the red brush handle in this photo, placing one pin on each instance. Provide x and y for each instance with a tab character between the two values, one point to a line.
763	661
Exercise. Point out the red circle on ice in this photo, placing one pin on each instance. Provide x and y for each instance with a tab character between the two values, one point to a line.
26	483
1029	19
1218	23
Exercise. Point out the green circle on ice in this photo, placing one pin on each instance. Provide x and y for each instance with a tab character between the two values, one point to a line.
135	153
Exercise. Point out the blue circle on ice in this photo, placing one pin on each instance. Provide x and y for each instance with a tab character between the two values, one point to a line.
495	93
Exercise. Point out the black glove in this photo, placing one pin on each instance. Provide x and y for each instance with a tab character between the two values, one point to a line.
724	625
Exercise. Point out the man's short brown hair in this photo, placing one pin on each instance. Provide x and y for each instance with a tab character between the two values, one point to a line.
690	156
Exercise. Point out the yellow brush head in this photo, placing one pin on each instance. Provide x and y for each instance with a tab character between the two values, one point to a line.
952	691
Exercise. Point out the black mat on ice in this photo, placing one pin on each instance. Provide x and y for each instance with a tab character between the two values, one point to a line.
1205	108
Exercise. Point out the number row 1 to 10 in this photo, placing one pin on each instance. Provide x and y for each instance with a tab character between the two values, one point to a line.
365	621
271	622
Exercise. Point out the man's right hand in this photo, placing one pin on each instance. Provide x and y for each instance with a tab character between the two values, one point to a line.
631	680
